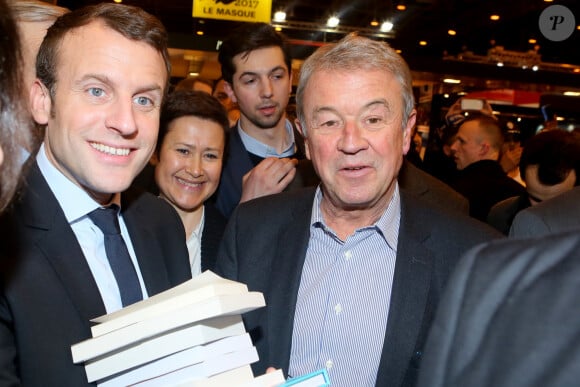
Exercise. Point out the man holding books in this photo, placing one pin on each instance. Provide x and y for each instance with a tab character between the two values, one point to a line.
73	247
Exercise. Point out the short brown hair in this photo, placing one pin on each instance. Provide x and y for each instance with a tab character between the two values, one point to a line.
131	22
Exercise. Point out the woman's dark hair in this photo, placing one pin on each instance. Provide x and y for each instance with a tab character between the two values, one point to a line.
182	103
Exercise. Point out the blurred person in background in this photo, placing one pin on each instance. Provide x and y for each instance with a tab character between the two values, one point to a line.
549	166
231	107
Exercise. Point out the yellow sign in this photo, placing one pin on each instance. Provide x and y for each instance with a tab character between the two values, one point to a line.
237	10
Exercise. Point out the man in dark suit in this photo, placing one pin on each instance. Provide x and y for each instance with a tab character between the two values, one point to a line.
352	270
481	179
102	75
509	317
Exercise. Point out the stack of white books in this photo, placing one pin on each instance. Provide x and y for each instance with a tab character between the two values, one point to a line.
190	335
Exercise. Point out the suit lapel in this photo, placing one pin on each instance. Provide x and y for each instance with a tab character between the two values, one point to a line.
409	296
42	215
291	245
148	252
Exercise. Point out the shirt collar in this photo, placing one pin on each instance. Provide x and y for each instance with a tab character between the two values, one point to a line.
73	200
387	225
260	149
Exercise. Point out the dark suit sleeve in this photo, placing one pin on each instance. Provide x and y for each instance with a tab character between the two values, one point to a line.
227	261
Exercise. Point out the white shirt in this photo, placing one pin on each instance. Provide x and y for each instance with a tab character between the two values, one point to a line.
76	205
194	246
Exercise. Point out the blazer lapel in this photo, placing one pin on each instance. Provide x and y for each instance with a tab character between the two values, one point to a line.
148	252
409	297
42	215
286	273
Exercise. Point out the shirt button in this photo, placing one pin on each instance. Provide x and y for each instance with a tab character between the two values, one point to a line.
329	364
337	308
348	255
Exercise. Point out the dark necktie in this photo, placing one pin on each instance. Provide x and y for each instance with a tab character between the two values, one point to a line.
117	254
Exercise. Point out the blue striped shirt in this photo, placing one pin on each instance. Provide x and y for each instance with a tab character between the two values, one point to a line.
343	299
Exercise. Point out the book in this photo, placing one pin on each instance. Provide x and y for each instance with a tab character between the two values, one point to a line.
271	379
180	360
197	289
173	350
205	369
225	379
223	305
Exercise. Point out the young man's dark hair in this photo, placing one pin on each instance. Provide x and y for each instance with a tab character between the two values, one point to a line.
247	38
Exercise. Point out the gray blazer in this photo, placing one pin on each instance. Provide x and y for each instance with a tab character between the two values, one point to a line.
48	294
509	317
558	214
265	245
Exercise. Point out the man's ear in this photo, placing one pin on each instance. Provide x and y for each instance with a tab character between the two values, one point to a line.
40	103
228	88
484	148
408	130
301	131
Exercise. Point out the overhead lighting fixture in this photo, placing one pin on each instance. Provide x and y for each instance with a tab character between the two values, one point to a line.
374	23
200	33
452	81
445	95
279	29
577	70
401	7
452	32
535	68
532	41
118	1
422	43
280	16
386	26
494	17
572	93
398	51
333	21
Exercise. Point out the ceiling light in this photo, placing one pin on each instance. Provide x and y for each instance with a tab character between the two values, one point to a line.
494	17
374	23
572	93
401	7
280	16
451	80
200	33
386	26
577	70
499	64
118	1
333	21
532	41
422	43
535	68
445	95
279	29
452	32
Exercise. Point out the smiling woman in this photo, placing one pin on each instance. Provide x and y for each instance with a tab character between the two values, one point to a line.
190	153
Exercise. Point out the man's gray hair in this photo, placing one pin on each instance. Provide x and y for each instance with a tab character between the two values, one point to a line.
355	53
